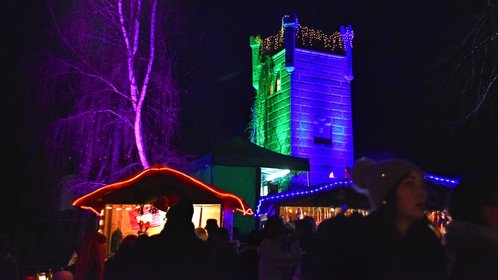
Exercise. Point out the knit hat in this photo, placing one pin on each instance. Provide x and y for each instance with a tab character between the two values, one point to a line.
375	179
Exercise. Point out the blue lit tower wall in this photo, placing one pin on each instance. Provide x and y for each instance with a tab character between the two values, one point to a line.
312	72
321	119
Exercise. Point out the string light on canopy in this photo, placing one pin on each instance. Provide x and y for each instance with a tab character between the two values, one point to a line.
447	182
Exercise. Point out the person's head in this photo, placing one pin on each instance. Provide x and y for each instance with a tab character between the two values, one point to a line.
181	212
223	234
128	246
201	233
179	219
475	200
310	223
211	225
392	185
306	227
274	227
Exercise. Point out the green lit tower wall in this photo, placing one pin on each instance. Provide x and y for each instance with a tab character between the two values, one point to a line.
271	111
302	106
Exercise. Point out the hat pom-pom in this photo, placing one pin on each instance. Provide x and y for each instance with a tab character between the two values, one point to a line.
359	173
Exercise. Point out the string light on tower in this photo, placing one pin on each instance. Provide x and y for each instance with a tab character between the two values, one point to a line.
307	37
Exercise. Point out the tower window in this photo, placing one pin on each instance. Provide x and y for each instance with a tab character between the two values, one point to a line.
322	131
278	84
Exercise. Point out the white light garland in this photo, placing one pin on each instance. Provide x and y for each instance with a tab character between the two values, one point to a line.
306	36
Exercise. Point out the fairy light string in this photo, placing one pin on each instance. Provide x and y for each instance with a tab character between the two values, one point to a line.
265	201
306	37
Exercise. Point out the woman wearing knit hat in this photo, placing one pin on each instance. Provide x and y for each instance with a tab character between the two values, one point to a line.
395	181
396	240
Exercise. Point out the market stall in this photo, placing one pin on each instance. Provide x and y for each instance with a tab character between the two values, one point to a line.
138	204
246	169
320	202
327	200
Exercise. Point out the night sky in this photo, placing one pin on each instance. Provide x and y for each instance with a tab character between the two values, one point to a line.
402	103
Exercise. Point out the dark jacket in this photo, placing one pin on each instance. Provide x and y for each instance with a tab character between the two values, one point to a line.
176	253
328	248
473	251
379	252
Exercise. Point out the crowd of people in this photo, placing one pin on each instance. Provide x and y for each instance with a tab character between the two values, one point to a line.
395	241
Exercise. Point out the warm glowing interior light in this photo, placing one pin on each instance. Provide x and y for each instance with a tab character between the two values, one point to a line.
145	218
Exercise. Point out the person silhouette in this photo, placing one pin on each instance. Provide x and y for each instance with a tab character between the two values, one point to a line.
279	252
176	252
91	256
472	235
122	264
212	229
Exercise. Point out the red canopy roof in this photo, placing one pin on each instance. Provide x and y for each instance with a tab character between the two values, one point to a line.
155	182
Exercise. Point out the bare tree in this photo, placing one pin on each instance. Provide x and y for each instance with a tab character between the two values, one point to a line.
473	67
110	87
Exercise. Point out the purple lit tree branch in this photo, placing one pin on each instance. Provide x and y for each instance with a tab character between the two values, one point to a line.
110	89
137	93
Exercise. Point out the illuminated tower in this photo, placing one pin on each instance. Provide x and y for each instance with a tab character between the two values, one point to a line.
303	97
